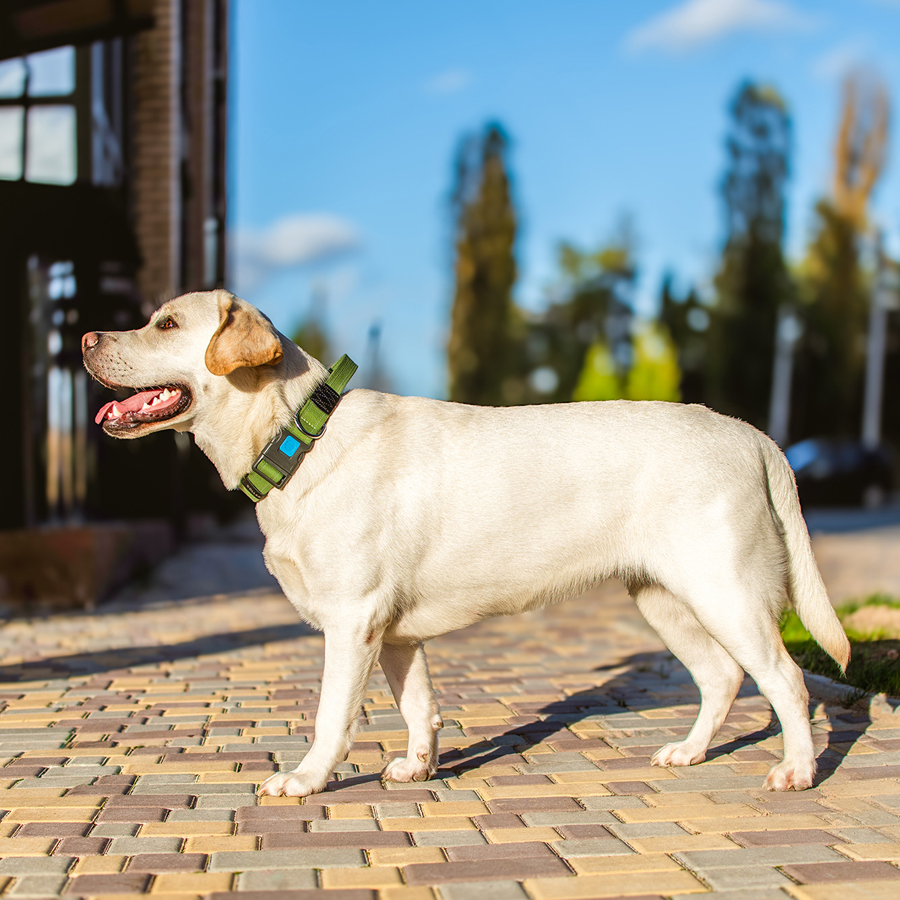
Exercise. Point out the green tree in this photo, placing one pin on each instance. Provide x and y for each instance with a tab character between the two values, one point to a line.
686	319
481	352
835	285
310	333
753	280
654	374
587	330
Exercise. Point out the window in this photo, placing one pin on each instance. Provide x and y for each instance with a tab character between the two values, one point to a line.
38	121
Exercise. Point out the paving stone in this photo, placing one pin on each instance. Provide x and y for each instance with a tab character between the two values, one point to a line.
132	846
568	849
448	838
38	886
483	870
739	879
483	890
81	846
35	865
362	840
653	884
167	862
698	860
114	829
334	894
832	872
318	825
320	858
521	850
54	829
789	838
574	817
277	880
860	890
119	883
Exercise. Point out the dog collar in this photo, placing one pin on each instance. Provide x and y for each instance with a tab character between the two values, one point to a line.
282	456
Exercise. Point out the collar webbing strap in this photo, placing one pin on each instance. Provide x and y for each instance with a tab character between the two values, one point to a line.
282	456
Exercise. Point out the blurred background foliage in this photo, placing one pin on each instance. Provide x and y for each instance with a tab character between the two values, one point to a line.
718	347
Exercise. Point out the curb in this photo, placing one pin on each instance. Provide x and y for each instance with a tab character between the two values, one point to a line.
879	705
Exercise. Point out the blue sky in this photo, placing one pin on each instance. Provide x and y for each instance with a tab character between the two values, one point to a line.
345	119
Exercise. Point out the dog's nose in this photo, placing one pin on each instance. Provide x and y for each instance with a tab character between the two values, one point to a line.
89	341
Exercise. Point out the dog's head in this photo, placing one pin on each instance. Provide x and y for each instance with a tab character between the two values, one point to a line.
182	354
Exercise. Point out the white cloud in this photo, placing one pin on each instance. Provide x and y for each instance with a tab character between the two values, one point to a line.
294	240
694	23
837	62
450	81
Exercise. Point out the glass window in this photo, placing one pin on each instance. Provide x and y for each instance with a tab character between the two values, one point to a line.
50	153
12	119
12	78
51	73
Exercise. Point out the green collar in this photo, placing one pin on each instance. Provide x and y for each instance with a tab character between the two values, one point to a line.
283	454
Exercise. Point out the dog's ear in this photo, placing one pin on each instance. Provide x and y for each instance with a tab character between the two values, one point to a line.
244	338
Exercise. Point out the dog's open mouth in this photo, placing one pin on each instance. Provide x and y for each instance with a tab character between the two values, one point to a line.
145	407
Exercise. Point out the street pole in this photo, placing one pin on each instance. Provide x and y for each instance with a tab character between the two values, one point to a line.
884	297
787	332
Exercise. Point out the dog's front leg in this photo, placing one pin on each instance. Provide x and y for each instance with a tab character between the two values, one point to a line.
350	654
406	670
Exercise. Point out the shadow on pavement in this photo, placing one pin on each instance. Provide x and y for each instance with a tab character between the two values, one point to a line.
120	658
626	694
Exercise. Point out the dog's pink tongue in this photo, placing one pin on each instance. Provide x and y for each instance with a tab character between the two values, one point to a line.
103	411
133	404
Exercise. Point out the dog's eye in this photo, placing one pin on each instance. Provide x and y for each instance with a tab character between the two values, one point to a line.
167	322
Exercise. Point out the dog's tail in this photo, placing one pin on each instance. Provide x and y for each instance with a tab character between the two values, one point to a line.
805	586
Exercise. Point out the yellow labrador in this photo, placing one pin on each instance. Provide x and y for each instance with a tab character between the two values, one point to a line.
411	517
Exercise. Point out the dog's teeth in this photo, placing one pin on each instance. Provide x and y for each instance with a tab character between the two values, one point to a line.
166	394
155	401
145	406
115	411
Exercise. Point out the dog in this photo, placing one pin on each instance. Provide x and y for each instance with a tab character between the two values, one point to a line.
409	518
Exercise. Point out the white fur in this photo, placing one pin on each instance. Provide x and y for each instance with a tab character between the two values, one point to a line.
412	517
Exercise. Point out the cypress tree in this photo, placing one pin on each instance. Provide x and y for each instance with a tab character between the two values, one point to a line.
752	281
481	350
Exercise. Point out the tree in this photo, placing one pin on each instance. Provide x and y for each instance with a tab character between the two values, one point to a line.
310	333
834	283
686	319
753	280
582	344
481	351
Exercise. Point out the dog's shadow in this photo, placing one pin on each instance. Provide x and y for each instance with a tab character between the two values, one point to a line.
630	692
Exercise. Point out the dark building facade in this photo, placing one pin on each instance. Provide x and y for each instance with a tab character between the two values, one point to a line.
112	199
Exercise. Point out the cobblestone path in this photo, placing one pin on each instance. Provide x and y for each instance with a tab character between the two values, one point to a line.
132	742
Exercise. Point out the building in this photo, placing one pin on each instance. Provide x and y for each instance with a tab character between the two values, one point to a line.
112	199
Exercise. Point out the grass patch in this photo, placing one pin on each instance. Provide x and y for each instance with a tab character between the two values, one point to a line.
874	659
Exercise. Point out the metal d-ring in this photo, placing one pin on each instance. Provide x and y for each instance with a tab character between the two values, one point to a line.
312	437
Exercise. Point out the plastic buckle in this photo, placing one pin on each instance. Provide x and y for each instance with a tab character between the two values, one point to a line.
284	455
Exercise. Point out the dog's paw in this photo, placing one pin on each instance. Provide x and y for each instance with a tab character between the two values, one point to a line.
290	784
679	754
409	768
790	776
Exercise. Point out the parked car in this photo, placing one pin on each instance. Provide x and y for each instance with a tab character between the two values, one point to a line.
841	472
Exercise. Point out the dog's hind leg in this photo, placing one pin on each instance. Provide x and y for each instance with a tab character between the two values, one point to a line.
746	627
714	671
350	654
406	670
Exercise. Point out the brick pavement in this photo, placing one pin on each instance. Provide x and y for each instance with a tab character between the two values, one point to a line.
132	741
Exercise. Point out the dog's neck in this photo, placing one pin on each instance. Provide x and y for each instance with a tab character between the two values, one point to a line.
257	403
